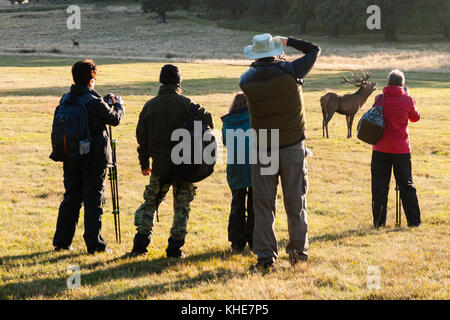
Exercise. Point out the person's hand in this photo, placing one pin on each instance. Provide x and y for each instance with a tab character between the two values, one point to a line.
280	40
117	99
146	172
406	90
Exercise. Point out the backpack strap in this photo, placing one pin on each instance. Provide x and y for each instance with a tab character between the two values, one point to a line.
382	101
65	98
84	99
192	112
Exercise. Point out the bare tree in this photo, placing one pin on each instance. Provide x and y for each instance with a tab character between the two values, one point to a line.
347	104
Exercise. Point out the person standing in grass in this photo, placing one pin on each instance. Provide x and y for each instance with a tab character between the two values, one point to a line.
158	119
393	152
84	178
235	126
273	87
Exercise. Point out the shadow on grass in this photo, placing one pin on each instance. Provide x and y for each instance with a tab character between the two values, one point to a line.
123	269
190	87
221	275
330	236
205	86
6	259
37	258
33	61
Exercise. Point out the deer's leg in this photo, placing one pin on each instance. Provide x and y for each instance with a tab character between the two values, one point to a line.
330	115
324	116
323	127
349	128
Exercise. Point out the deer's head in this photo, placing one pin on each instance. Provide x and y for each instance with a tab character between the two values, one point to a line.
362	82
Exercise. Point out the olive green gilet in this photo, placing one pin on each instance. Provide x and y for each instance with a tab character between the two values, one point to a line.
277	104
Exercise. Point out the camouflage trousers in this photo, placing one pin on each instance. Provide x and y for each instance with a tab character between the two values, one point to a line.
183	194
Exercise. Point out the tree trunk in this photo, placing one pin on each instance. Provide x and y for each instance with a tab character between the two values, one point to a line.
447	30
334	32
389	22
302	27
161	18
390	34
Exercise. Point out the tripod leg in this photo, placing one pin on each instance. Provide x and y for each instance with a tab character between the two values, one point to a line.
118	238
399	210
114	188
396	206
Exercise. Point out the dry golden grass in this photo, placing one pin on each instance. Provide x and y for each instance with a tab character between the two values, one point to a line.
414	263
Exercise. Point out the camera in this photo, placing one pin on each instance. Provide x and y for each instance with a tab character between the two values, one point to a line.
109	99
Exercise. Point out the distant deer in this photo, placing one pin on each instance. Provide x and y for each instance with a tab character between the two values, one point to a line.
347	104
76	44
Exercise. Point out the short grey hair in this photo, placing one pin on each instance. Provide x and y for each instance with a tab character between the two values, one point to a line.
396	78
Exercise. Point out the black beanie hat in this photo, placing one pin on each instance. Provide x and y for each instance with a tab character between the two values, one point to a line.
170	74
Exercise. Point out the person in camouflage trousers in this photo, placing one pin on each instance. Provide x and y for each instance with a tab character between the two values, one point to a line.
158	119
144	216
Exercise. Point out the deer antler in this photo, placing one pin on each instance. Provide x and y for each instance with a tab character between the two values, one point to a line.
357	79
367	76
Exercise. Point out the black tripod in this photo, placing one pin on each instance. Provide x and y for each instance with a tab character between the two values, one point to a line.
114	187
398	207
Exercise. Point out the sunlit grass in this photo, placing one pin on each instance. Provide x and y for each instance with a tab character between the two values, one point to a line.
414	263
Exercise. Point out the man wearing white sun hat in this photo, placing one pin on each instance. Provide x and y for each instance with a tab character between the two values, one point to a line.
273	87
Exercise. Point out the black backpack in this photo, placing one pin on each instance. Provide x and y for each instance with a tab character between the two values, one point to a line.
192	171
71	138
371	125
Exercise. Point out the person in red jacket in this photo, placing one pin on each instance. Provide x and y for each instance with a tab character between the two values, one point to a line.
393	151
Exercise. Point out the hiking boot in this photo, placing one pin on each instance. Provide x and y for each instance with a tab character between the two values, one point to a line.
174	249
176	255
140	244
263	267
297	257
94	250
69	248
236	248
134	254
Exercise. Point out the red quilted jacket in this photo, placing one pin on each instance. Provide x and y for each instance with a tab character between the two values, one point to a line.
399	107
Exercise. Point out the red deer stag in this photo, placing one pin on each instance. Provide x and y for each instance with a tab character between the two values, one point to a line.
347	104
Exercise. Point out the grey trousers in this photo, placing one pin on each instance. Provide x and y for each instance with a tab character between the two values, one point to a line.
294	181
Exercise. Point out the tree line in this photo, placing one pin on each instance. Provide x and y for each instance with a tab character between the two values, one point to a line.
329	16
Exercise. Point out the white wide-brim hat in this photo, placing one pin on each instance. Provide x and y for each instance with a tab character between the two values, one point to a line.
264	46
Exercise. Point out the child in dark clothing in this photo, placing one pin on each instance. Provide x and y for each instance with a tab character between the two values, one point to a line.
240	225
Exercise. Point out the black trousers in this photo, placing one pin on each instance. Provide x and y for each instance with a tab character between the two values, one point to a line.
240	225
82	185
381	167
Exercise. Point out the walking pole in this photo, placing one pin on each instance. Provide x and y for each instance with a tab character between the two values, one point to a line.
398	207
114	187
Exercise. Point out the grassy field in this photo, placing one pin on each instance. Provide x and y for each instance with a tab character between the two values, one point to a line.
413	263
124	31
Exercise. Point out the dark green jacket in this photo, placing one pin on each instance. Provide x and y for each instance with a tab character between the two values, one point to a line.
275	96
158	119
